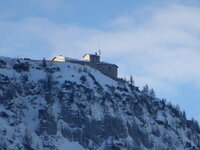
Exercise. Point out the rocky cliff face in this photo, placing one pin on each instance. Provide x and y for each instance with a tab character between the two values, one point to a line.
46	105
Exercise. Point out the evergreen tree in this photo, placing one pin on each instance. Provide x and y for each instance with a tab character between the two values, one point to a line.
131	80
125	79
145	89
44	64
152	93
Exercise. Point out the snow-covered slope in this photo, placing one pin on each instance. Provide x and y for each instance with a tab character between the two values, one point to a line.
65	106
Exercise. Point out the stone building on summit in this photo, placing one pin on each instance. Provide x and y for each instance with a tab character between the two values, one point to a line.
92	60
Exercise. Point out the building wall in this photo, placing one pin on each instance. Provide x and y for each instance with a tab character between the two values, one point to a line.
108	69
86	57
62	59
94	59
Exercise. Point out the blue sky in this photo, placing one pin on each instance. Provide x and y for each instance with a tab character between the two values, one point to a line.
156	41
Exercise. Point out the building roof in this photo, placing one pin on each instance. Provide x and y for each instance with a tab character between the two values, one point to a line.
105	63
71	59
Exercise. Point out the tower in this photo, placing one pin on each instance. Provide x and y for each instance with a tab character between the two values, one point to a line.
93	58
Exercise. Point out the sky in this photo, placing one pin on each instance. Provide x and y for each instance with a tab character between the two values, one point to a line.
155	41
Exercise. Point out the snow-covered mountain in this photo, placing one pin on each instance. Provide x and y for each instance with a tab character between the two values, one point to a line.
63	106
